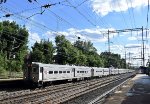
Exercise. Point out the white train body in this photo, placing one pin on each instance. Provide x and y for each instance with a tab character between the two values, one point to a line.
40	73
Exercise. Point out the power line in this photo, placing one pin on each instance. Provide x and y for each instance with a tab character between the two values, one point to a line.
81	14
132	13
4	1
23	17
38	24
129	13
122	14
35	23
147	20
64	19
86	12
81	3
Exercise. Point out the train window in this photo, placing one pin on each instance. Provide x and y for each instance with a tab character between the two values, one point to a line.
34	69
77	71
81	71
60	72
50	72
55	72
64	71
68	71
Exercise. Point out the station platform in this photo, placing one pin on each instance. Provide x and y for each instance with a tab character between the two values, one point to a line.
135	91
10	79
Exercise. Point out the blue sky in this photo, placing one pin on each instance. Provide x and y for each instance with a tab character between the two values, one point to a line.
84	18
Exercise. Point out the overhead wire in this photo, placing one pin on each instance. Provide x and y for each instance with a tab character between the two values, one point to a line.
147	19
103	23
122	14
81	14
82	3
65	20
129	14
87	19
36	23
59	18
132	13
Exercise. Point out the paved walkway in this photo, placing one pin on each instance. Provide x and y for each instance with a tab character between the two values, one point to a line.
136	91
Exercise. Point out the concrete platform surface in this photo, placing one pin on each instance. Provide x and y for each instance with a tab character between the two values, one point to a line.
10	79
135	91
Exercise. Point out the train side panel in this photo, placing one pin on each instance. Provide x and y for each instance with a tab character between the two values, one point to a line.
98	71
81	72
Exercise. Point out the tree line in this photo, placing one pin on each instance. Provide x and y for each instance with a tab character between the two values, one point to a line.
81	53
14	51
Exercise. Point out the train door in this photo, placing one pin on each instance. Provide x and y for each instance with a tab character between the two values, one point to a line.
92	72
73	70
41	75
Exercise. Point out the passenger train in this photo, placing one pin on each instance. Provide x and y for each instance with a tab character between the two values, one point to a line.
40	73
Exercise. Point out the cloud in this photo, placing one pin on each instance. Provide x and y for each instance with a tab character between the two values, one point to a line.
33	37
103	7
132	38
133	45
88	34
116	48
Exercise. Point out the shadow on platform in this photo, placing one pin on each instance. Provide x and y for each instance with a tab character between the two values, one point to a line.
140	91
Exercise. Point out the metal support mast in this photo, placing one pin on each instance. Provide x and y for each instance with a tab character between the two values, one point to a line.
108	42
143	56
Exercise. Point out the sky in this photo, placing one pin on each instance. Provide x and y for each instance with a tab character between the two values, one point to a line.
88	19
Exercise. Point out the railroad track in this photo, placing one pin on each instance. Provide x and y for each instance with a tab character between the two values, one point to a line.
58	93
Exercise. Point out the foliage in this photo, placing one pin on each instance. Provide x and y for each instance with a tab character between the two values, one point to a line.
42	52
2	64
65	51
13	45
111	59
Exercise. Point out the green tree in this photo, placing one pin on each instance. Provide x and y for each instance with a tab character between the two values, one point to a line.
113	59
13	44
85	47
82	59
48	52
63	49
42	52
2	64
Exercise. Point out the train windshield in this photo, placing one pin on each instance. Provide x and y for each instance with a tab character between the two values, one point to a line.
34	69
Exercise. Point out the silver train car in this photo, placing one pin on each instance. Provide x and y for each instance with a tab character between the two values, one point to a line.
40	73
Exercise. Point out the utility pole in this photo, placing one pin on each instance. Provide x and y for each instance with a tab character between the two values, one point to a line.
127	30
125	59
143	56
108	49
108	42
